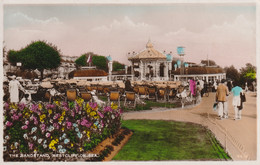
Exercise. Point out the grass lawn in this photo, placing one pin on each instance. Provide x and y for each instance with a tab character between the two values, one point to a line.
169	140
148	106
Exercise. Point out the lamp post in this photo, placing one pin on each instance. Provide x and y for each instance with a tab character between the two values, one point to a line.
180	51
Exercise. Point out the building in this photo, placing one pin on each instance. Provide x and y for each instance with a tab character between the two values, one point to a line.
90	75
209	74
151	64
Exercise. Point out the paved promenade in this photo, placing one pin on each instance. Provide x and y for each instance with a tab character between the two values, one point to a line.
238	137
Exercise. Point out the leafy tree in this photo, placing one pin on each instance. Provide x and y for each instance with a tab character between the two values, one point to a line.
117	66
100	62
208	62
232	73
248	74
81	61
37	55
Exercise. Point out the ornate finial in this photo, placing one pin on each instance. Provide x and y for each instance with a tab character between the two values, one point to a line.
149	44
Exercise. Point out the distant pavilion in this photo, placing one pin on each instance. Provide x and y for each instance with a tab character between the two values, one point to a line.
151	64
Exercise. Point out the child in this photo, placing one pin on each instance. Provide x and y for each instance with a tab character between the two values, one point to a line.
26	99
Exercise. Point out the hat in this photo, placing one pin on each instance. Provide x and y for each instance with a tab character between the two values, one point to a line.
13	77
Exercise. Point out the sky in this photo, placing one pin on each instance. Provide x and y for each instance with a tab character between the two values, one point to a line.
225	33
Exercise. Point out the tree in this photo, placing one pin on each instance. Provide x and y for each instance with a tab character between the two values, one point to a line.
81	61
208	62
232	73
118	66
37	55
100	62
248	74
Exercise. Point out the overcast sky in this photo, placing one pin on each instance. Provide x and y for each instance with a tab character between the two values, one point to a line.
224	32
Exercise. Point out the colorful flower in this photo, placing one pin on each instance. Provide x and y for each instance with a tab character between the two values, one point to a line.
25	136
114	106
24	127
47	134
30	145
108	109
66	141
8	124
100	114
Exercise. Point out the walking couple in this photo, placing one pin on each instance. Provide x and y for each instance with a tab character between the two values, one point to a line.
222	94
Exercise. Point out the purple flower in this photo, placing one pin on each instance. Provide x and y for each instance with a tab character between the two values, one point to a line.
30	145
77	108
72	113
27	122
48	134
65	104
8	123
100	114
24	127
88	125
6	106
83	122
50	106
35	121
15	117
43	126
93	105
56	116
108	109
69	125
56	125
121	111
34	107
21	106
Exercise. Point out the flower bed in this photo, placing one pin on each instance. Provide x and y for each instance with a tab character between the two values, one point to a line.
39	131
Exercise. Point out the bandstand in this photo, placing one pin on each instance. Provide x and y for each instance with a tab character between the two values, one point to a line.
151	64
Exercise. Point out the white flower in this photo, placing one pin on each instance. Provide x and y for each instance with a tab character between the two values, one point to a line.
34	129
7	137
34	138
25	136
40	140
5	148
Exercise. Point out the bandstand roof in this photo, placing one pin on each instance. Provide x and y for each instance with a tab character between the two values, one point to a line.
148	53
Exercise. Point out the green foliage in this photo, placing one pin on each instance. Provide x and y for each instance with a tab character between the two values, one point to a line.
118	66
100	62
248	74
81	61
232	73
37	55
13	57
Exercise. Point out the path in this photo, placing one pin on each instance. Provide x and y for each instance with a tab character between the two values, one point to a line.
238	137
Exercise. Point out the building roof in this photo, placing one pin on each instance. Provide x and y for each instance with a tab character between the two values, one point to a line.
90	73
200	70
148	53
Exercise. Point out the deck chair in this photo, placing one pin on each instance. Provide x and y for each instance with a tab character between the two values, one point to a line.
114	96
130	100
142	91
86	96
135	89
47	96
89	88
152	93
71	94
100	89
161	94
